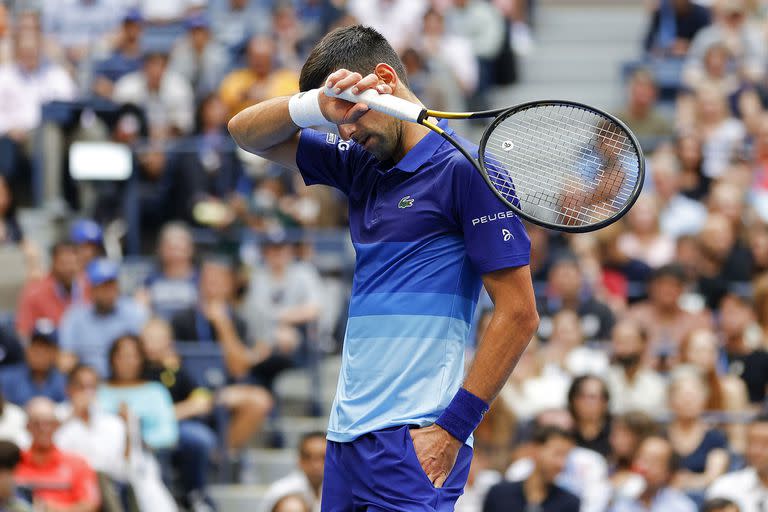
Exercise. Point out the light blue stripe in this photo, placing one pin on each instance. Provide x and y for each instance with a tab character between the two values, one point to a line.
407	326
411	303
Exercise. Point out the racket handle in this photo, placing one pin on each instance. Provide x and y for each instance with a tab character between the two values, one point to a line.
384	103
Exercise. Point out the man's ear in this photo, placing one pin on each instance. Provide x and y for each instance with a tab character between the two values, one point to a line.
387	75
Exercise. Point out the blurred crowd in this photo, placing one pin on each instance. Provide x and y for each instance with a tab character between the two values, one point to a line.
643	390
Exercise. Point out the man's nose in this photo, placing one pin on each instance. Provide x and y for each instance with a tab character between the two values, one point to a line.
346	131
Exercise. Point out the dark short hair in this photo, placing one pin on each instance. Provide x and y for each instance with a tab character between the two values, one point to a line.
543	433
356	48
308	437
10	455
673	270
62	245
717	504
575	389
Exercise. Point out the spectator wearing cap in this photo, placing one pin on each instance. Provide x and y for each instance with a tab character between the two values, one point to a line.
126	56
742	356
661	315
198	57
88	238
656	462
58	480
10	456
51	296
259	80
566	290
172	285
214	320
748	488
633	386
87	330
39	376
673	25
284	300
166	96
539	491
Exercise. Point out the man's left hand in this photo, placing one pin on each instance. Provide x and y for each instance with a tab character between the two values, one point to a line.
436	450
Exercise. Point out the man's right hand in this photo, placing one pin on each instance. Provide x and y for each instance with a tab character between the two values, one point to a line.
340	111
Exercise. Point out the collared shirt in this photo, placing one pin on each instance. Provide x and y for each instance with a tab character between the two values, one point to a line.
424	231
19	387
101	442
62	479
47	298
88	334
22	95
647	392
743	488
667	500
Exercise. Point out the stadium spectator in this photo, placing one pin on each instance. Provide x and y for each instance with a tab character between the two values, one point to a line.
172	285
290	36
628	431
661	315
51	296
731	27
679	215
694	183
703	451
741	357
722	134
128	393
622	278
87	330
109	446
644	239
208	172
13	423
88	238
716	71
10	456
719	505
725	392
566	352
6	42
588	403
674	23
260	79
25	85
656	462
213	320
10	229
633	385
126	56
58	480
539	490
11	351
307	480
283	302
396	20
748	487
38	375
530	389
641	113
234	21
198	57
723	261
167	12
165	96
565	290
192	405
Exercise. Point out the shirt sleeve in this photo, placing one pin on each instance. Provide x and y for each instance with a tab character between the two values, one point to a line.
68	331
326	159
494	236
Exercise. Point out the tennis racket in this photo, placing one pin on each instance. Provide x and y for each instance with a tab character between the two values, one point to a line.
559	164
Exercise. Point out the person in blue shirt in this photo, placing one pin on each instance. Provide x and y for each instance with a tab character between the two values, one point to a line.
38	375
400	426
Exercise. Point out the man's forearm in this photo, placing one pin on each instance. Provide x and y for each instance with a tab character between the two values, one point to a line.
263	126
505	340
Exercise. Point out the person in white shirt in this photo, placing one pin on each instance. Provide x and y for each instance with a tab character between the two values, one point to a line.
633	386
748	488
307	480
13	424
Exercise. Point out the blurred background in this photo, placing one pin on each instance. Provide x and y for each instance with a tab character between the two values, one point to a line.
172	309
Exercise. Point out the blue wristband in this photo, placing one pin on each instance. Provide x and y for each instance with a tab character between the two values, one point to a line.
463	415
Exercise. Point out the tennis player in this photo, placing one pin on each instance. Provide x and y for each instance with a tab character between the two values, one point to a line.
428	233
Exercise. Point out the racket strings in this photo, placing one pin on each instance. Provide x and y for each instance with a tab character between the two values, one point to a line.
571	166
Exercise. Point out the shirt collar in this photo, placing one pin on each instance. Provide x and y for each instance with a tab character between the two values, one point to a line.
422	151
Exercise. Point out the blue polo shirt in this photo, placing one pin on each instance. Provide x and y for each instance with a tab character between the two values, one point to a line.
424	231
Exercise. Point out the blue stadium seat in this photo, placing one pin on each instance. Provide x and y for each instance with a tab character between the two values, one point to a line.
205	363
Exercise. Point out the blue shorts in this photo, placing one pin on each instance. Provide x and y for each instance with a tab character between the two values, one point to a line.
379	472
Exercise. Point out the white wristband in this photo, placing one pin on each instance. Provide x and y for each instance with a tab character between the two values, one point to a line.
304	109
